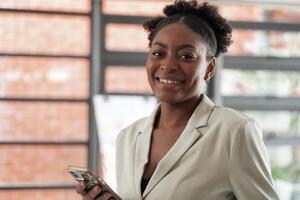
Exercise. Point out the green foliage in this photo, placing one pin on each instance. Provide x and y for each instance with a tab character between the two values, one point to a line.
281	173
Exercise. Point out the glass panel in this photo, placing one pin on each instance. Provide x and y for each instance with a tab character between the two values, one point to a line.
260	13
289	121
39	164
248	42
44	77
125	37
237	12
59	5
39	194
114	114
134	7
291	14
260	83
44	34
232	12
43	121
285	171
126	80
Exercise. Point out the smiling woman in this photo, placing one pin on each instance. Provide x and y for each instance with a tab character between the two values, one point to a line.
189	148
176	64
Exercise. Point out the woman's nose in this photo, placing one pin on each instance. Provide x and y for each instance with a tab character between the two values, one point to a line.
169	64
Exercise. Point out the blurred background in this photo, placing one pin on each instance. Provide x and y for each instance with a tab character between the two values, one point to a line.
72	75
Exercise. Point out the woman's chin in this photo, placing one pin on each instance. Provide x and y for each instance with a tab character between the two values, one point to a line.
170	98
173	98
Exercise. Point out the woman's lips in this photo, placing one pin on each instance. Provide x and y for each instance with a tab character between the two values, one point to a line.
169	81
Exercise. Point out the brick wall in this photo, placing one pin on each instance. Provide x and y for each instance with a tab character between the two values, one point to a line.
40	77
43	121
44	77
39	164
39	195
49	34
65	5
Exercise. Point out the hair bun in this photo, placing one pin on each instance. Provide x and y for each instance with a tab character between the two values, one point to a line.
208	13
182	7
205	11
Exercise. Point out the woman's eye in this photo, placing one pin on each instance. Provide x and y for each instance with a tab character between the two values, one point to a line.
187	57
156	54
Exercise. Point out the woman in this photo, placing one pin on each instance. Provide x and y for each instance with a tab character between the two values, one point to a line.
188	148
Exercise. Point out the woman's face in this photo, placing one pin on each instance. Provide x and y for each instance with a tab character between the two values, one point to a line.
176	64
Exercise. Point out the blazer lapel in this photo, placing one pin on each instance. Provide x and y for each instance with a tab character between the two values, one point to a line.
142	149
189	136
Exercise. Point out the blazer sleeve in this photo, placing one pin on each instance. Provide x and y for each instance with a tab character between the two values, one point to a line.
250	175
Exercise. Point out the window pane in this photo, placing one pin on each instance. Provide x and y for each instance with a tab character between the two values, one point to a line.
44	34
39	164
126	80
232	12
134	7
59	5
121	37
292	14
237	12
248	42
285	170
283	160
259	13
289	121
114	114
44	77
39	194
43	121
260	83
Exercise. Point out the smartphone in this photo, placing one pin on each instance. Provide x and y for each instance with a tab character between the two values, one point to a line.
91	178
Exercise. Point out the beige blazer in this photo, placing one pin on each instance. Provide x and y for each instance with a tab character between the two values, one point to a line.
219	155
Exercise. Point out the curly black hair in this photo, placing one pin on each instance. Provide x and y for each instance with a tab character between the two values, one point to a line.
202	18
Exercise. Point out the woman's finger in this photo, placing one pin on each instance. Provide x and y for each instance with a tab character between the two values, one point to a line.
80	188
91	194
104	196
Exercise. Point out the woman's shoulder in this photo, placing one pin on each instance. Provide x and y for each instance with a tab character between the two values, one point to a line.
234	122
230	116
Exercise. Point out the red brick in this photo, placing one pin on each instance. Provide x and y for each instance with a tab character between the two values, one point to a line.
44	34
43	121
126	79
126	7
234	12
39	194
65	5
39	164
288	15
44	77
126	37
245	42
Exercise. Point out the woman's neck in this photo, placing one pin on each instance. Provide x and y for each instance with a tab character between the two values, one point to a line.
176	114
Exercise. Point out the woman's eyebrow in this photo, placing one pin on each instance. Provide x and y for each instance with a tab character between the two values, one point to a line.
181	47
160	44
185	46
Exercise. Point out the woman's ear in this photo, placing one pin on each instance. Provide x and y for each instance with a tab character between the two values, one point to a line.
210	69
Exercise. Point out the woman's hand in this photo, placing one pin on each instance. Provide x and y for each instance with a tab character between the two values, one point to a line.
95	193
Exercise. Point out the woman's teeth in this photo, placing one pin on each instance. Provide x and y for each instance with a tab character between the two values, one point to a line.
169	81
